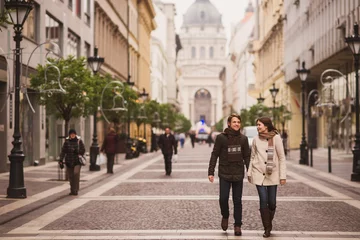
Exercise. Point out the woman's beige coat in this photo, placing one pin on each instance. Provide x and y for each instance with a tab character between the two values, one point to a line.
258	160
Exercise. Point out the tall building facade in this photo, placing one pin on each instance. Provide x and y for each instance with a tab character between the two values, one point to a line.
314	33
159	60
202	58
241	72
70	25
268	48
146	15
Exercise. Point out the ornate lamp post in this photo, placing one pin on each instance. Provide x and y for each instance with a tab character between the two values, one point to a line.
303	73
354	44
274	91
95	63
128	154
144	95
260	99
18	12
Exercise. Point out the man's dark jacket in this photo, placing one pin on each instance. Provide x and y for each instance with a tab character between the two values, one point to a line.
167	144
230	168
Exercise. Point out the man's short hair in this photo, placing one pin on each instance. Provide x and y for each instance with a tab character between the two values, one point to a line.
232	116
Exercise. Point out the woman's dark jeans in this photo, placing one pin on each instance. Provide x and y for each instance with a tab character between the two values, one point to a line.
237	188
267	195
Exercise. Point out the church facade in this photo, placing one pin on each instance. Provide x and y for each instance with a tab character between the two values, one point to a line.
200	62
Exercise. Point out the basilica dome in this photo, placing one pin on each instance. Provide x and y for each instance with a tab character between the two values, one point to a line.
202	12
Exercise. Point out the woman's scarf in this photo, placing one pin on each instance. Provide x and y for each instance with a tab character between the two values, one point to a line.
270	151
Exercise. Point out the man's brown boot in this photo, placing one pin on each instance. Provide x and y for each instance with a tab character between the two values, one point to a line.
224	223
237	230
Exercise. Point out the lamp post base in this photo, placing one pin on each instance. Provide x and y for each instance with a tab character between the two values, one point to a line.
94	152
304	156
355	176
16	187
16	192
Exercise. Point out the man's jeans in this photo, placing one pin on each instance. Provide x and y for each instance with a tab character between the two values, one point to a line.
167	161
237	188
267	195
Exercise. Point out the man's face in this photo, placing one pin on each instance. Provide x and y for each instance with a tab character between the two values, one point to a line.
235	124
167	130
72	135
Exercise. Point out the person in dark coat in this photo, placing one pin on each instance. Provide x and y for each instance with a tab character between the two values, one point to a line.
71	149
232	149
153	142
192	138
168	146
109	147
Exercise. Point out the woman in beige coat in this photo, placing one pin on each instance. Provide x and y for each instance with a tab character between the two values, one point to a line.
267	169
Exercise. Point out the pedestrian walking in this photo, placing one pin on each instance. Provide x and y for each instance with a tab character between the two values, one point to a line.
232	149
192	138
209	139
109	148
267	169
168	146
71	149
182	139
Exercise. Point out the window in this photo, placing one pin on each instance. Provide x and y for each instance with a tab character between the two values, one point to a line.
70	4
202	52
193	52
87	11
29	28
53	32
211	52
87	50
78	8
73	44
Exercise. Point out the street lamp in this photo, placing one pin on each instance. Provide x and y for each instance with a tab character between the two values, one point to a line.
95	63
274	91
303	73
128	154
18	12
260	99
144	95
354	44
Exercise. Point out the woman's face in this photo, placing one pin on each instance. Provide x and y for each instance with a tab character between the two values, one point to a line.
72	135
261	127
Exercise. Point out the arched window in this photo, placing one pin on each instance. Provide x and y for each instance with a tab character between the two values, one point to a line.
193	52
211	52
202	52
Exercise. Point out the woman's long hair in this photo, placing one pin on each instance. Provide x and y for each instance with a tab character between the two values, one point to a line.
268	123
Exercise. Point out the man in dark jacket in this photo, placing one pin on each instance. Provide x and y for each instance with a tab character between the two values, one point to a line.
232	149
109	147
168	146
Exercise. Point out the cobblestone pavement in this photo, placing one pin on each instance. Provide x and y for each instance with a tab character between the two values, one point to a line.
140	202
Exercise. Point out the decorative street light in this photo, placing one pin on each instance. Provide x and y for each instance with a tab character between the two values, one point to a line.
274	91
95	63
142	116
144	95
354	44
303	73
18	12
260	99
128	154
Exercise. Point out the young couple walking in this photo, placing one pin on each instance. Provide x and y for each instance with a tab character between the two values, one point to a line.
265	165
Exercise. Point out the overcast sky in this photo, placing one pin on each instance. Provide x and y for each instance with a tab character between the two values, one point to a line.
232	11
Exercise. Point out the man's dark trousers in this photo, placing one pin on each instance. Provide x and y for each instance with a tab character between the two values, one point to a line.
237	188
167	161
